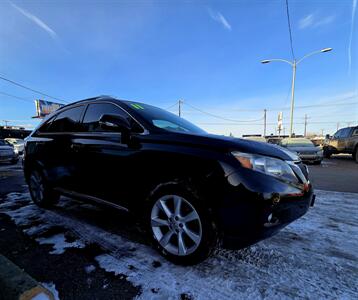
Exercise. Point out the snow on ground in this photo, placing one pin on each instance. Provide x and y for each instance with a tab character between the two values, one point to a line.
314	257
59	243
52	288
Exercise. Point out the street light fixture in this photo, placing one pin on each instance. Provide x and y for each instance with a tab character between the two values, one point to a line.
294	64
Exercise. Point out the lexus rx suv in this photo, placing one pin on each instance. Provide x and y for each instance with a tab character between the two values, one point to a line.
193	191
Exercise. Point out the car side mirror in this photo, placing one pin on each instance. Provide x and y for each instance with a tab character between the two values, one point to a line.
328	136
113	122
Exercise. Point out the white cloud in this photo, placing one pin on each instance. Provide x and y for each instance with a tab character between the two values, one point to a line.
354	6
306	21
313	21
36	20
218	17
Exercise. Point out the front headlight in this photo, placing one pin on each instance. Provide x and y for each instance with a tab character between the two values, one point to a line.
267	165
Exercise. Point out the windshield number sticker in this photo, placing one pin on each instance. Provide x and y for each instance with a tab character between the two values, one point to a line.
137	106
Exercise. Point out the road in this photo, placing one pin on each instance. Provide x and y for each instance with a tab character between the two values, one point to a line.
340	173
88	252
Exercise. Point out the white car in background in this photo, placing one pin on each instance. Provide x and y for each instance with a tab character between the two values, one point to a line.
18	145
7	153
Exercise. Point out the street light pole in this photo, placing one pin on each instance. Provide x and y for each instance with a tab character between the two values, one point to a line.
292	95
294	64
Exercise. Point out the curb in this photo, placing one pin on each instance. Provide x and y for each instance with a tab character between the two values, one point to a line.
16	284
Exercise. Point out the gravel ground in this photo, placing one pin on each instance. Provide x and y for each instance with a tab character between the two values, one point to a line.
315	257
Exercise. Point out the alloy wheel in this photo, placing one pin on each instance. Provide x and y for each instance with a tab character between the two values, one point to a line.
176	225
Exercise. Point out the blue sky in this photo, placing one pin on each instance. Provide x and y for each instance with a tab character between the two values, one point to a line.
205	52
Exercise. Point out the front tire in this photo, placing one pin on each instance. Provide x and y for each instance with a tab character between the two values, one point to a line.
14	161
41	194
182	228
355	155
327	154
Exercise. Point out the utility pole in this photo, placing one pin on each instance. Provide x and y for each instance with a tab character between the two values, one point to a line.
337	126
180	102
6	121
265	111
305	132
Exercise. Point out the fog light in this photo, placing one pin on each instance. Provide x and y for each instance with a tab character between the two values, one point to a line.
275	198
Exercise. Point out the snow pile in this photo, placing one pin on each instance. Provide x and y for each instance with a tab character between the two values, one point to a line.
314	257
59	243
52	288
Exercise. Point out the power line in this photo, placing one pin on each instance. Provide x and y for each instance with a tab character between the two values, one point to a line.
322	104
16	97
289	29
171	106
272	123
30	89
219	117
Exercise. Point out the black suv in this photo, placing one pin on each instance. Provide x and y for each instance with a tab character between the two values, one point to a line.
192	190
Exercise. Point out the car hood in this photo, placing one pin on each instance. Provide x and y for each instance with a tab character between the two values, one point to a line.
6	148
303	149
222	143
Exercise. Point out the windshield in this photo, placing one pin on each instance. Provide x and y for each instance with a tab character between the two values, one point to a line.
162	119
15	141
297	143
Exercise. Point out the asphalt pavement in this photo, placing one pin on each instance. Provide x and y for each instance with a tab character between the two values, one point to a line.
339	173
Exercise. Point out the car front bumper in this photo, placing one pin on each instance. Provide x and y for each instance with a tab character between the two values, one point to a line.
311	158
7	158
249	214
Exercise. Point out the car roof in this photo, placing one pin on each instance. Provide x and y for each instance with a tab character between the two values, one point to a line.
99	98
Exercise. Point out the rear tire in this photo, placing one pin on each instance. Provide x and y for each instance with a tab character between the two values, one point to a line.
41	194
182	228
355	155
327	154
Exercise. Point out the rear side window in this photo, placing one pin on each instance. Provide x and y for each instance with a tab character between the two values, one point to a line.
95	111
67	121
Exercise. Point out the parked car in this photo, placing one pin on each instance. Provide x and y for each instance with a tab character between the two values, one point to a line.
304	148
255	138
345	140
18	145
191	190
7	153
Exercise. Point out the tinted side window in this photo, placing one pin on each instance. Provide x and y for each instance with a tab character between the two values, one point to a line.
345	132
67	121
337	134
94	113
